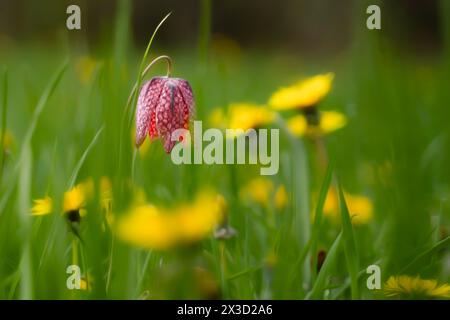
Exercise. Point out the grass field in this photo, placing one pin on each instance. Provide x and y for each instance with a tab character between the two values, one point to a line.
374	192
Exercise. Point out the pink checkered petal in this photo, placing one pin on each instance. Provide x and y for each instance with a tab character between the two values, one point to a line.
145	111
167	104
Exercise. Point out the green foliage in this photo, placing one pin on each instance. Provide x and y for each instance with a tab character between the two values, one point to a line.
394	150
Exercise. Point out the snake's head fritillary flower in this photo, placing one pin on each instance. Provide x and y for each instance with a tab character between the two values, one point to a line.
165	104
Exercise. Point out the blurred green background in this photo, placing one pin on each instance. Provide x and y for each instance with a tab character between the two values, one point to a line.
392	85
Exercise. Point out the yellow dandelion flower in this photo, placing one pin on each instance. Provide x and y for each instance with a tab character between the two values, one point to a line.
199	219
262	191
303	94
247	116
329	121
281	197
162	228
73	205
147	227
409	287
298	125
360	207
258	190
86	282
42	206
242	116
74	200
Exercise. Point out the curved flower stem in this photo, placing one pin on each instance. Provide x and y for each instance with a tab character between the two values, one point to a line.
146	70
132	93
127	116
163	57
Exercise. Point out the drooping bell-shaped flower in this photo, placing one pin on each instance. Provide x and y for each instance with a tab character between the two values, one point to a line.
165	104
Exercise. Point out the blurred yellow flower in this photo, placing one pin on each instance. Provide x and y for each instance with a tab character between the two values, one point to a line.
247	116
198	219
262	191
162	228
329	121
146	227
303	94
42	206
106	199
409	287
258	190
75	199
281	197
242	116
73	202
360	207
86	282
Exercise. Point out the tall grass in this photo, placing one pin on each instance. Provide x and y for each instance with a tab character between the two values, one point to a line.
394	150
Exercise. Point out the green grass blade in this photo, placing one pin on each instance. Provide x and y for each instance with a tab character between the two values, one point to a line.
340	290
300	192
30	131
48	92
128	113
321	281
424	257
139	76
351	255
311	246
245	272
24	168
80	163
318	216
24	190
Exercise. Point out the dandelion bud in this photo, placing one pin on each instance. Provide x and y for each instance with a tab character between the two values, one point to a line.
164	105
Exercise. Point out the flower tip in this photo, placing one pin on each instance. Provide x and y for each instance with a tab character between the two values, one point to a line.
138	142
139	138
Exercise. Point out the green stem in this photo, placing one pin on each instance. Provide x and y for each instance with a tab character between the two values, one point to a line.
108	277
300	193
75	250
